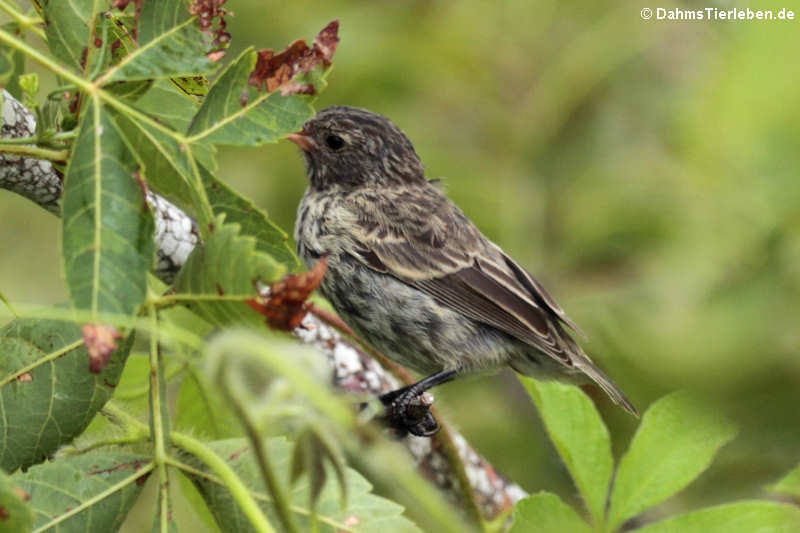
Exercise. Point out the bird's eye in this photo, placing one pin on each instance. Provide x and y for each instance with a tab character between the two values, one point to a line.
334	142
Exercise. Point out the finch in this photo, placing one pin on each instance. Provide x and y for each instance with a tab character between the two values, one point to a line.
413	276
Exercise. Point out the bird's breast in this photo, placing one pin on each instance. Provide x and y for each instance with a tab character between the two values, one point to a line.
316	230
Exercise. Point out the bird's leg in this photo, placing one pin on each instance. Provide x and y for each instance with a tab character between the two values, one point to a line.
407	415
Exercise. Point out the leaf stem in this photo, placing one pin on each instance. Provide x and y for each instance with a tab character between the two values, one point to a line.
97	498
38	139
229	477
46	359
29	23
171	299
45	61
10	307
158	422
121	418
264	464
128	439
34	152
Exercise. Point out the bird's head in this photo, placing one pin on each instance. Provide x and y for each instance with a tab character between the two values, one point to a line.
350	147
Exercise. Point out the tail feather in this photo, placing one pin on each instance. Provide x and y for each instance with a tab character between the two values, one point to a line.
605	383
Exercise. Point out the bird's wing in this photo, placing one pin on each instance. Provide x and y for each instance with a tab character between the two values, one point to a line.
433	246
424	240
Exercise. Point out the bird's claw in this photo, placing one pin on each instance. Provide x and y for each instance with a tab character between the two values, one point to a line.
411	414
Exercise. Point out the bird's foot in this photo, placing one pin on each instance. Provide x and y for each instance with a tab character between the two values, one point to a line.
410	413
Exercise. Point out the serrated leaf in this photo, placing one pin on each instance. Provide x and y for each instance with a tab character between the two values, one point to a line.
237	113
56	400
171	44
546	513
16	515
107	230
227	265
270	238
675	443
789	484
580	437
69	485
364	513
67	29
740	517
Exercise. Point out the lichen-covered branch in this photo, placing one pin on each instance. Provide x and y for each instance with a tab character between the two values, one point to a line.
352	368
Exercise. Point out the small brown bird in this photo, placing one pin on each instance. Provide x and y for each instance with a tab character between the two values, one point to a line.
412	275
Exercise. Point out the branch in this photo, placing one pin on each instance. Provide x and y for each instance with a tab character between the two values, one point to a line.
352	368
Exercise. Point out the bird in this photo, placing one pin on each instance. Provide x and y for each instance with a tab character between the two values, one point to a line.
413	276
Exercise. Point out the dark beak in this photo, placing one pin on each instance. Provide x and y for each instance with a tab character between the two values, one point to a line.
303	140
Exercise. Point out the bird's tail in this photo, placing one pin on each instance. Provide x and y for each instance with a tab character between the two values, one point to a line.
605	383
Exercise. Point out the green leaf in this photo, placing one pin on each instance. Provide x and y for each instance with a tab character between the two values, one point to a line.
192	85
17	514
69	491
546	513
740	517
165	102
312	448
790	484
6	66
201	511
227	265
675	443
203	410
67	29
171	44
29	84
17	58
169	168
107	231
365	512
580	437
237	113
55	401
270	238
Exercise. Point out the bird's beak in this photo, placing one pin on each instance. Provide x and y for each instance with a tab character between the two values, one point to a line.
303	140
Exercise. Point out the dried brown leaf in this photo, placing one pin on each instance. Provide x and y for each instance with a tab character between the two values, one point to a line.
285	304
274	71
207	11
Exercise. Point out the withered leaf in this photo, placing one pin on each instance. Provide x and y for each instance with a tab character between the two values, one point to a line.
285	304
274	71
208	10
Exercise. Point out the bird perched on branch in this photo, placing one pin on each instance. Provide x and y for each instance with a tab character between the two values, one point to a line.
413	276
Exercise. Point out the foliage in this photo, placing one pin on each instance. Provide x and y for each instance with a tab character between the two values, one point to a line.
674	444
138	99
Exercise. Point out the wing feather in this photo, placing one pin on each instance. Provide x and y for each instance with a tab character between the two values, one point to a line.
436	248
443	254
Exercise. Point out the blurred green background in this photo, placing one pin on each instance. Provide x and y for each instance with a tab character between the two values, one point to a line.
647	171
